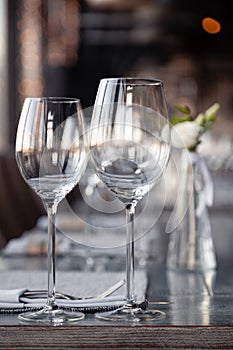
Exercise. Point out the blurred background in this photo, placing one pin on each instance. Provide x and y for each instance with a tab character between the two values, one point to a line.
64	47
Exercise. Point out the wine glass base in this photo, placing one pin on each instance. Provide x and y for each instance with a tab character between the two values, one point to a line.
51	316
131	314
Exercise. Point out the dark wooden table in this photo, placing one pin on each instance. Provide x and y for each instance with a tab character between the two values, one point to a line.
198	308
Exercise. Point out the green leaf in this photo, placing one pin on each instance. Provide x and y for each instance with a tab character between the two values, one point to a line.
194	148
183	109
178	119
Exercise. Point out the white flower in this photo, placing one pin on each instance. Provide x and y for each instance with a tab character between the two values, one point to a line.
186	134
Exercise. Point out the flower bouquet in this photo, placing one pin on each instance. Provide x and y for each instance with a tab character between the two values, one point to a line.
186	130
191	245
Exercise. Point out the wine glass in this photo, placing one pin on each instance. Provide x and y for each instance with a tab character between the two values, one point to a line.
130	153
51	156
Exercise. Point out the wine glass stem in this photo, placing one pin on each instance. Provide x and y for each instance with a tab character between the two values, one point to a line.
51	210
130	212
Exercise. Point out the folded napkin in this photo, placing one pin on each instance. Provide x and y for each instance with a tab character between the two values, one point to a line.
85	286
15	300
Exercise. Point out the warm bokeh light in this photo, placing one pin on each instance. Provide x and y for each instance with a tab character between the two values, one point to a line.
62	27
30	53
48	35
210	25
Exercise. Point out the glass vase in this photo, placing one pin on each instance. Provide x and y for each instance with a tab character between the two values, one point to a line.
191	245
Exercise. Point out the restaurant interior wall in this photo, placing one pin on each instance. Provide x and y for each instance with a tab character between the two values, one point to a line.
64	47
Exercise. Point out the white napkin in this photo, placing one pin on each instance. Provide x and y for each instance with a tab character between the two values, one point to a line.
79	284
14	300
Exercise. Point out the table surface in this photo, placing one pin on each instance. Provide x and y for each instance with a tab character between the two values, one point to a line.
198	307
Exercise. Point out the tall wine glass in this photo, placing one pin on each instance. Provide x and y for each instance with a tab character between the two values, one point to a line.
129	154
51	156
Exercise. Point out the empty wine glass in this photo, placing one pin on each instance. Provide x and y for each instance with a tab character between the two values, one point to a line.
130	153
51	156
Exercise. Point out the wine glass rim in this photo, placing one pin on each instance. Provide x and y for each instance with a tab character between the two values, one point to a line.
135	81
54	99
